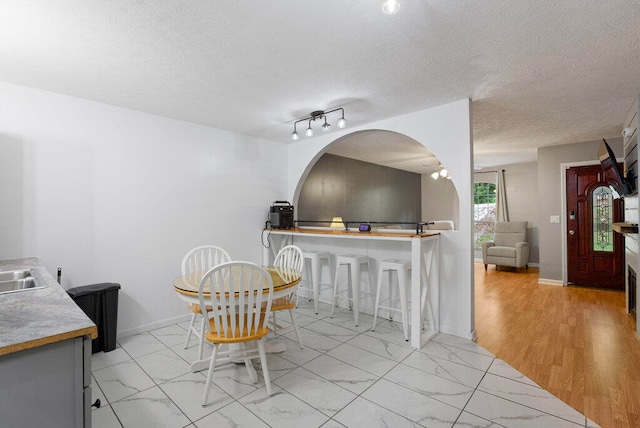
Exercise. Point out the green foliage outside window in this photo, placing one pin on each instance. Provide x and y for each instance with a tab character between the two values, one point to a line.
484	193
484	212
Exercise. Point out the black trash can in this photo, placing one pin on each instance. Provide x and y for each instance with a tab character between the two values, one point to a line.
100	303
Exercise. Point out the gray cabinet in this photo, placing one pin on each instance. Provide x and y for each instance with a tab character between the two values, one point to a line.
48	386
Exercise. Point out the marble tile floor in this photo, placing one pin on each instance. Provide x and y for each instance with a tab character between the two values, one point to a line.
346	376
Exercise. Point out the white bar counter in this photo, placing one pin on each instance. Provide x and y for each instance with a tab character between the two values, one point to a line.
422	249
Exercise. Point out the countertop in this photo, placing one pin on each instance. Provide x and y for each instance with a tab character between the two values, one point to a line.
340	232
33	318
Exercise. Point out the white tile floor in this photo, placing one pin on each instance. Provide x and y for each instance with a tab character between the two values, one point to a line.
345	377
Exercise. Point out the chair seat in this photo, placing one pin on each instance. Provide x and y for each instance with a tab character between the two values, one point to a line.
394	264
498	251
315	254
239	337
352	258
195	308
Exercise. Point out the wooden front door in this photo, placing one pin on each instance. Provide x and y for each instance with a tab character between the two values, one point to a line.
595	252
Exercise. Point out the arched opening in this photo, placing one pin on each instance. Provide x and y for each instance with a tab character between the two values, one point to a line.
446	131
376	176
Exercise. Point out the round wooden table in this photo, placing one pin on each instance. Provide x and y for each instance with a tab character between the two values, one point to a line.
284	280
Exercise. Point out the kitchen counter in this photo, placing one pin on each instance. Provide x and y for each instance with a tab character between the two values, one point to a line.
33	318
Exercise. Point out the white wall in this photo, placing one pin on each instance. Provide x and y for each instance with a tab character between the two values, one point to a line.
439	200
445	131
115	195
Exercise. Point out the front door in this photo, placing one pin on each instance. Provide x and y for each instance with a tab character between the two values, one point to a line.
595	252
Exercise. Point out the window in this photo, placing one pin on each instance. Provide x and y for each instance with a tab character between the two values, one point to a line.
484	212
602	219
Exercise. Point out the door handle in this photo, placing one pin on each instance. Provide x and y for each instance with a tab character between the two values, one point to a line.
572	232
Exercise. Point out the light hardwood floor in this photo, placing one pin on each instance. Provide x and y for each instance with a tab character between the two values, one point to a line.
577	343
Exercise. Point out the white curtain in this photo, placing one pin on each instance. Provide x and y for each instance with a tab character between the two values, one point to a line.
501	199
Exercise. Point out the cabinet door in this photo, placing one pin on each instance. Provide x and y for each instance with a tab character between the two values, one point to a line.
86	375
43	387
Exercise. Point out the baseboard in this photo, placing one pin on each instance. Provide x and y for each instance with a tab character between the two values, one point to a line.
530	264
152	326
550	281
470	335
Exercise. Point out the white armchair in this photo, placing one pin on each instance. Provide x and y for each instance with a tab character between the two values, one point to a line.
509	246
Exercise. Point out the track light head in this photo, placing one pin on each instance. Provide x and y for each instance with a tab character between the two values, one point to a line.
326	127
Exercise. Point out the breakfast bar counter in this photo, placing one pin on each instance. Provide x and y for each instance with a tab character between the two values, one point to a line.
422	249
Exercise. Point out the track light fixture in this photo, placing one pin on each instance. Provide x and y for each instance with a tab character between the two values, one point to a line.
443	173
318	115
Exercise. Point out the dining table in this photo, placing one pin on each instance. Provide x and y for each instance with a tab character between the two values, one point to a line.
285	282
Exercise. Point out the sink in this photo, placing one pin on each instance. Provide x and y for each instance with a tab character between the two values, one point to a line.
14	274
18	280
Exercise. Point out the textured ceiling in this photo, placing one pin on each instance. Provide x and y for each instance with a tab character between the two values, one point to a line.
539	73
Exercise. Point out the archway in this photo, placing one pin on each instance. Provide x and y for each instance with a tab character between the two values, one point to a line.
376	175
446	131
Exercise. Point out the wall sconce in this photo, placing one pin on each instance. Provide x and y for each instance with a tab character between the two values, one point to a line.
318	115
337	222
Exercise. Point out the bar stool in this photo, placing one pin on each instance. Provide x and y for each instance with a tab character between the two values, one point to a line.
353	262
401	268
313	274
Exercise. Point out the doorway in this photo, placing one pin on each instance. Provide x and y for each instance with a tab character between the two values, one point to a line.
595	253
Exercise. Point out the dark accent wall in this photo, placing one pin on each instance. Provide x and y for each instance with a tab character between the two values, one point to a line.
359	191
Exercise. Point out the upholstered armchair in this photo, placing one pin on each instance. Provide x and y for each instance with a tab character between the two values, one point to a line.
509	246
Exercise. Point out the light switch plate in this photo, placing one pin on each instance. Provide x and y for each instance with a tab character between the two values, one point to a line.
554	219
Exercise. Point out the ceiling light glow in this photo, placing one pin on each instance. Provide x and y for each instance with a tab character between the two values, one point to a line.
390	6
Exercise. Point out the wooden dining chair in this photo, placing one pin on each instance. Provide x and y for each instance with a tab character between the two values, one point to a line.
197	261
234	290
291	259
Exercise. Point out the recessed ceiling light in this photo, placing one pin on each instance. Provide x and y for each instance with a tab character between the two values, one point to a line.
390	6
